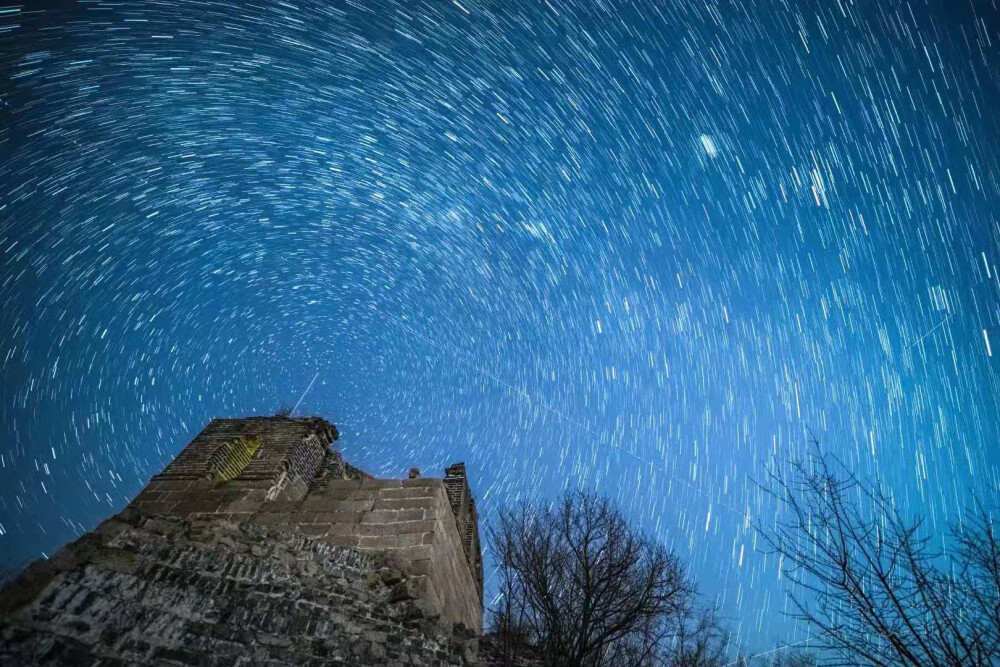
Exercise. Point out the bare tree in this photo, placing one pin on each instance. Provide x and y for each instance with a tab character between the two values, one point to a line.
509	617
794	659
786	658
585	589
699	641
779	657
866	578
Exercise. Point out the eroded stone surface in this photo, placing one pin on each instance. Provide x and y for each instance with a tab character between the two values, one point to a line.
299	558
208	592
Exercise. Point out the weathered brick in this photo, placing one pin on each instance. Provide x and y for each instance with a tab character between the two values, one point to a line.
346	517
379	516
370	529
192	506
273	519
240	507
380	483
413	539
282	506
380	542
255	495
315	503
392	516
406	492
343	540
345	484
406	503
350	505
421	566
154	508
420	481
419	526
343	529
413	553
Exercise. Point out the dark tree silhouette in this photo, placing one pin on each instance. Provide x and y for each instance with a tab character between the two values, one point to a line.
790	659
866	578
699	640
579	587
783	656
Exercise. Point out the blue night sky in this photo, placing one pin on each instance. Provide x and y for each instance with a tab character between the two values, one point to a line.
638	247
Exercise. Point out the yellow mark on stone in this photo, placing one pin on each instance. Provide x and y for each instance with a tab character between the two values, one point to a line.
233	457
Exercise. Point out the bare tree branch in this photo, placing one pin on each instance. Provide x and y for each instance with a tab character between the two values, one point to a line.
865	578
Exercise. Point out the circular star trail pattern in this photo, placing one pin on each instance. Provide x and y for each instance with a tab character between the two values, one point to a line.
639	247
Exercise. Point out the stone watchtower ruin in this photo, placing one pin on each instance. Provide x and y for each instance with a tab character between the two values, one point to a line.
259	544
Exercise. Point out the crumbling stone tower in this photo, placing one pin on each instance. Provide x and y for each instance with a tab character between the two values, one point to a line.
259	544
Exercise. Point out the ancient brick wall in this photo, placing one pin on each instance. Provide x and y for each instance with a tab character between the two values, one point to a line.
280	475
165	590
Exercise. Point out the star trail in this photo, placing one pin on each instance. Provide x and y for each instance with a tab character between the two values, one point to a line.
645	248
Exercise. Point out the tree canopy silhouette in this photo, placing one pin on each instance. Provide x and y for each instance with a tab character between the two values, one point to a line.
582	588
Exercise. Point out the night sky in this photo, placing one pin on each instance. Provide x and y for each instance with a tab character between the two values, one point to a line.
639	247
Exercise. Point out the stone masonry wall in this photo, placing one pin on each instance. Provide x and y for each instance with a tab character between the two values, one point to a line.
147	590
429	522
411	518
293	485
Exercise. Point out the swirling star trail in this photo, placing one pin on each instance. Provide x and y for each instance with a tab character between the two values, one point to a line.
641	247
